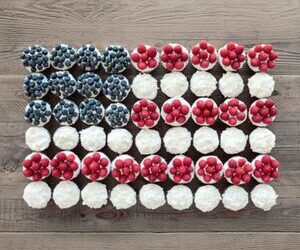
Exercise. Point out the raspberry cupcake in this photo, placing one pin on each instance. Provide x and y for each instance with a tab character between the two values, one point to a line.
66	112
88	57
65	165
37	112
176	111
181	169
145	58
89	84
209	169
63	57
154	168
233	112
238	170
125	168
62	84
35	58
95	166
117	115
262	57
174	57
36	85
203	55
262	112
205	111
145	114
266	168
36	166
232	56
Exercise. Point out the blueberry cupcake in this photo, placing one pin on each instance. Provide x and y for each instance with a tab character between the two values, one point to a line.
91	111
117	115
116	88
62	84
35	58
115	59
88	57
89	84
37	112
63	57
66	112
36	85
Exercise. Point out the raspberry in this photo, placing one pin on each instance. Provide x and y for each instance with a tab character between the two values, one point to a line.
209	169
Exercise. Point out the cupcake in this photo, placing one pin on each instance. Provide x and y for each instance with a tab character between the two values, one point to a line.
174	57
209	169
205	140
152	196
123	196
66	112
261	57
66	138
115	59
233	112
35	58
238	170
125	169
37	194
89	84
116	88
262	112
261	85
207	198
181	169
119	140
264	197
266	168
174	84
92	138
91	111
95	166
36	166
63	57
203	55
232	56
154	168
145	58
145	114
65	165
180	197
176	111
36	85
62	84
177	140
205	111
235	198
37	138
203	83
231	84
117	115
233	140
94	195
37	112
66	194
88	57
262	140
144	86
148	141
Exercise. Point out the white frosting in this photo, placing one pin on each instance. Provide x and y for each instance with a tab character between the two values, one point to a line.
147	69
233	140
148	141
262	140
235	198
66	194
66	138
261	85
207	198
37	138
92	138
231	84
94	195
144	86
206	140
174	84
123	196
203	83
177	140
119	140
229	68
180	197
264	197
152	196
37	194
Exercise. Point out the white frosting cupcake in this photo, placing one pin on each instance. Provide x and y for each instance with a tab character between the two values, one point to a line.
264	197
66	194
152	196
94	195
262	140
235	198
148	141
66	138
177	140
206	140
123	196
37	194
37	138
231	84
207	198
92	138
180	197
203	83
174	84
261	85
233	140
144	86
119	140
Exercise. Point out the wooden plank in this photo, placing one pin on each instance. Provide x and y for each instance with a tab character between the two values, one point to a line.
153	241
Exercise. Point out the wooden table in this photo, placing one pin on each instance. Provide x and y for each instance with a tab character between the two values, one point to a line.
130	22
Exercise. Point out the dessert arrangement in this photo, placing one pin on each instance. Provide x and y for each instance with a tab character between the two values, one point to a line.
145	114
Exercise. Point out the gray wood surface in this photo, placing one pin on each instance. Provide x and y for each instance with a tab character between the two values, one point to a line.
130	22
